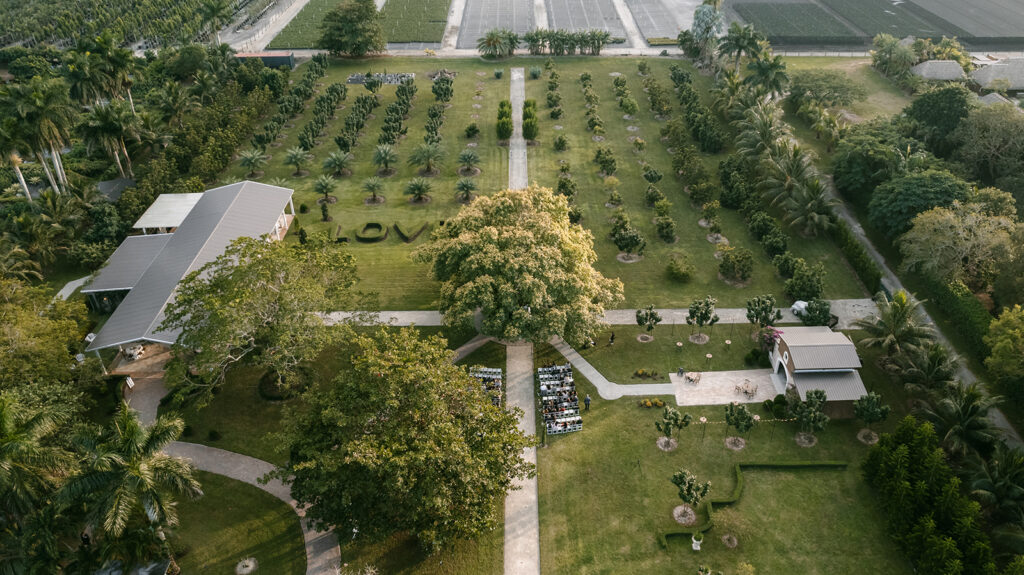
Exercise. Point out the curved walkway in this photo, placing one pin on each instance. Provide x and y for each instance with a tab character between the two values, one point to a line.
322	552
608	389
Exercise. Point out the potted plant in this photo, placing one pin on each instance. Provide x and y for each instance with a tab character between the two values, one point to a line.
697	539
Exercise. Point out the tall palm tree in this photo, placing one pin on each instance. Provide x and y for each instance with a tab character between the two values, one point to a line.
383	156
997	483
373	185
297	157
338	163
125	474
252	160
324	185
728	88
811	208
927	367
897	325
419	189
37	237
464	189
11	146
107	126
84	73
215	14
174	101
739	41
15	262
118	65
45	116
29	463
494	44
760	129
959	415
426	157
786	167
768	74
204	86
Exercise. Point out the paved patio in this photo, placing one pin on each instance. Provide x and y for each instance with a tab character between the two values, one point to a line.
719	387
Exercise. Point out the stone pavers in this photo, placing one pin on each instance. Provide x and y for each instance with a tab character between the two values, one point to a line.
483	15
580	15
719	387
518	177
522	522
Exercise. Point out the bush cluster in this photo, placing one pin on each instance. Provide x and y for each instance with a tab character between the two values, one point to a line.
703	126
323	109
396	112
363	105
504	125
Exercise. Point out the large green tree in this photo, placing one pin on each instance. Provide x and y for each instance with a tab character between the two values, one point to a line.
352	29
1006	339
517	258
403	441
991	142
260	301
895	203
938	113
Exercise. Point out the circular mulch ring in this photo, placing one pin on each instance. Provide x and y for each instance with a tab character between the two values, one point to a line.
429	173
645	338
477	106
481	74
247	566
598	138
733	283
730	541
611	206
469	173
625	258
684	515
806	439
472	145
667	444
556	127
703	223
670	151
371	202
474	116
627	117
867	437
387	173
633	128
735	443
700	338
478	97
480	85
632	139
717	239
421	201
328	199
614	74
344	174
276	144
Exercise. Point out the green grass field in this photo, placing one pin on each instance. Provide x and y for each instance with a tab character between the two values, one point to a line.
233	521
605	495
304	30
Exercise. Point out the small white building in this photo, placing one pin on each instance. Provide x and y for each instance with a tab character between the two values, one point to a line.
807	358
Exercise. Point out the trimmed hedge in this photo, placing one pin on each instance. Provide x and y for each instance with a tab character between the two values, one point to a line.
372	233
407	238
662	41
737	492
965	311
865	267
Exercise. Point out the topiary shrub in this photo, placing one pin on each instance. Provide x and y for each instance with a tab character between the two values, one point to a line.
561	143
535	72
472	131
679	268
213	435
775	243
504	128
409	238
784	264
653	195
737	264
498	73
702	193
372	233
666	228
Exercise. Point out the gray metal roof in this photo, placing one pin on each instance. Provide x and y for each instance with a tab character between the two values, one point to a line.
837	385
819	348
167	211
243	209
994	98
126	265
939	70
1010	69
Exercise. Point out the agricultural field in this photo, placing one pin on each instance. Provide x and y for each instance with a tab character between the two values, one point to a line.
883	17
304	30
982	19
385	267
796	23
414	20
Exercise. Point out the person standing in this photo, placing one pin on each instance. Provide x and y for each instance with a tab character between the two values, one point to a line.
586	403
611	339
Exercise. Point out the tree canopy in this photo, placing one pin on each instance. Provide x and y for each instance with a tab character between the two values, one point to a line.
403	441
895	203
516	257
353	29
259	301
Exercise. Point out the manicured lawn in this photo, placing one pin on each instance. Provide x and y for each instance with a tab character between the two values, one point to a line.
386	269
619	362
414	20
605	495
233	521
490	354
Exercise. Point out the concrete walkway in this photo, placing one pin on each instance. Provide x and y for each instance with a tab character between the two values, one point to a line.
518	177
636	39
69	288
608	389
451	31
522	519
323	555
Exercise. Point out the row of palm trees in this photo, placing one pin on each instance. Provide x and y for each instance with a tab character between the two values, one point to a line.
114	486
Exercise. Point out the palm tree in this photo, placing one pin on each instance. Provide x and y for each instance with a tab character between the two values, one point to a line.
117	64
373	185
997	483
297	157
107	126
126	476
760	129
959	415
30	464
494	44
728	88
828	125
15	262
419	189
468	161
324	185
204	86
252	160
425	156
739	41
383	156
11	145
44	116
786	167
927	367
174	101
811	208
83	71
597	39
337	163
215	14
464	189
897	325
35	236
768	74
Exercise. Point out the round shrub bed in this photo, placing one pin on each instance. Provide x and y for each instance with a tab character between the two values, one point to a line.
372	233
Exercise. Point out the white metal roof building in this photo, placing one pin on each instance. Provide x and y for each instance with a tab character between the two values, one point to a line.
818	358
167	212
221	215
